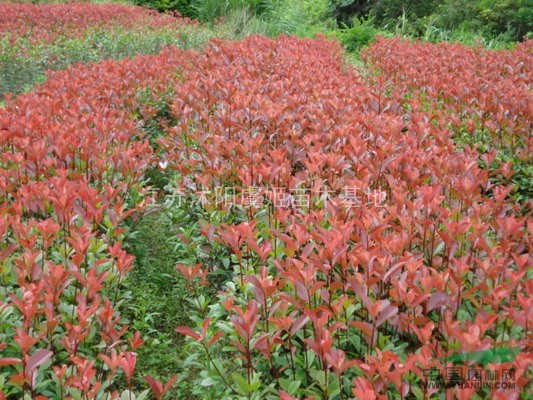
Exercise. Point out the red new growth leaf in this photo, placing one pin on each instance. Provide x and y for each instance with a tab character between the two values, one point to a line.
185	330
363	389
127	363
35	361
157	387
336	359
136	341
9	361
246	321
215	338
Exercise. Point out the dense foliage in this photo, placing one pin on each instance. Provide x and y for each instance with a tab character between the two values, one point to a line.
72	170
484	99
490	18
317	231
505	20
36	38
341	293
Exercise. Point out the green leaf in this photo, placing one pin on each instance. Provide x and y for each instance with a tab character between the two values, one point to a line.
241	384
143	395
417	392
208	382
293	387
318	376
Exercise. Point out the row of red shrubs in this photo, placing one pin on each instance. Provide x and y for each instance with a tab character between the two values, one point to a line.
379	292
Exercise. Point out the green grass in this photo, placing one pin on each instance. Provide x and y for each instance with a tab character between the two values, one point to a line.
158	302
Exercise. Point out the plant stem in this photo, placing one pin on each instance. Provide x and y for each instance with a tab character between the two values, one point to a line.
228	385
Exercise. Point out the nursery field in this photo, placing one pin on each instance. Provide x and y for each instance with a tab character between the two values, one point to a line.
258	218
38	38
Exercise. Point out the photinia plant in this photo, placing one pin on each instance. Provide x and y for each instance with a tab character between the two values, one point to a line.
368	243
71	173
344	295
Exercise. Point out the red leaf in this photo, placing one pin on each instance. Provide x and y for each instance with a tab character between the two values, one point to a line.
387	313
299	323
185	330
169	384
155	386
437	300
37	359
215	337
9	361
